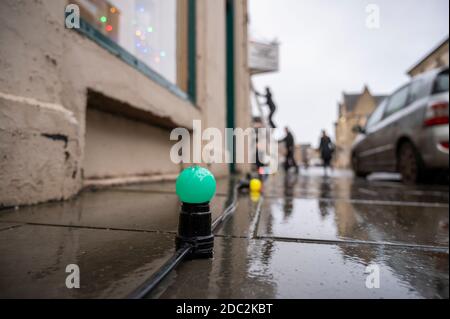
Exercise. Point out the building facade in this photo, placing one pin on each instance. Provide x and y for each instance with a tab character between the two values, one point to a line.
353	110
95	104
436	58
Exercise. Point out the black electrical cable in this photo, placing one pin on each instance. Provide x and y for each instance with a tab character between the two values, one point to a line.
228	211
151	283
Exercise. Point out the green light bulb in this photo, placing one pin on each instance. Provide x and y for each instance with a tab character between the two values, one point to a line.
196	185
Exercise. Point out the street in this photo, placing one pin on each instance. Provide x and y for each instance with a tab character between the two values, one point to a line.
221	157
307	236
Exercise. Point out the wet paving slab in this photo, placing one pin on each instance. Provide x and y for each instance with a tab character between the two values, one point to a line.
340	220
111	209
223	185
247	268
359	190
307	237
117	237
111	263
244	220
288	245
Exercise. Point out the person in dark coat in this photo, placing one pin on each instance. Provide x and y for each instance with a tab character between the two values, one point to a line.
271	104
326	149
289	142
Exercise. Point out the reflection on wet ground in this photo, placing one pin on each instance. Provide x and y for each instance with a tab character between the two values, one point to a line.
112	209
245	268
169	187
362	191
313	237
309	237
112	263
117	237
341	220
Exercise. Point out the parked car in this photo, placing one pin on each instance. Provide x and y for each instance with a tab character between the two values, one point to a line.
408	132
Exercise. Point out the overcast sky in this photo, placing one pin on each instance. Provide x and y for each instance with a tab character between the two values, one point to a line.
326	49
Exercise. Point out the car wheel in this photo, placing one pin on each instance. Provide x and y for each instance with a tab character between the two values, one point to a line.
356	169
409	164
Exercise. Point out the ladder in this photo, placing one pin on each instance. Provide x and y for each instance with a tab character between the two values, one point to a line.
273	152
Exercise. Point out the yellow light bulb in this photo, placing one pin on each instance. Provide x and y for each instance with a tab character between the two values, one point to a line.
255	185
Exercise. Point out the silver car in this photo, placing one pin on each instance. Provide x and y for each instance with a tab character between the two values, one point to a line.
408	132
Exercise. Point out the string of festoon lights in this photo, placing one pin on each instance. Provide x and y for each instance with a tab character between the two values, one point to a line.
141	33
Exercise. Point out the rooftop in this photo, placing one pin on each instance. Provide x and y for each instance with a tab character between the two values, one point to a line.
351	99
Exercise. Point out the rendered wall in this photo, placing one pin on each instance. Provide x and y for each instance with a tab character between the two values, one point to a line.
45	64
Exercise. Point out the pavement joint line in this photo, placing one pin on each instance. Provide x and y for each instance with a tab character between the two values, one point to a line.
254	235
339	242
254	231
391	203
355	243
11	227
168	232
97	228
371	202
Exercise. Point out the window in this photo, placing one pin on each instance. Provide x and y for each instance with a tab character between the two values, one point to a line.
153	33
397	101
418	90
441	84
377	115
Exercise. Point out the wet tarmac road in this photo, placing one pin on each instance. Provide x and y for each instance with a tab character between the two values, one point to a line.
309	237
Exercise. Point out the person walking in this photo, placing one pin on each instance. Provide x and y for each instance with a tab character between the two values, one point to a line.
271	104
289	142
326	149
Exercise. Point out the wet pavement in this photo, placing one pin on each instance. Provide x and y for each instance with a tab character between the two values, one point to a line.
116	236
309	237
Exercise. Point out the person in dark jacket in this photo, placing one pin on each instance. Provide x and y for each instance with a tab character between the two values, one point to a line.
271	104
326	149
289	142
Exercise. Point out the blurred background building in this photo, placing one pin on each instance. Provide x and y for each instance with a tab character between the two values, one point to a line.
95	105
438	57
353	110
